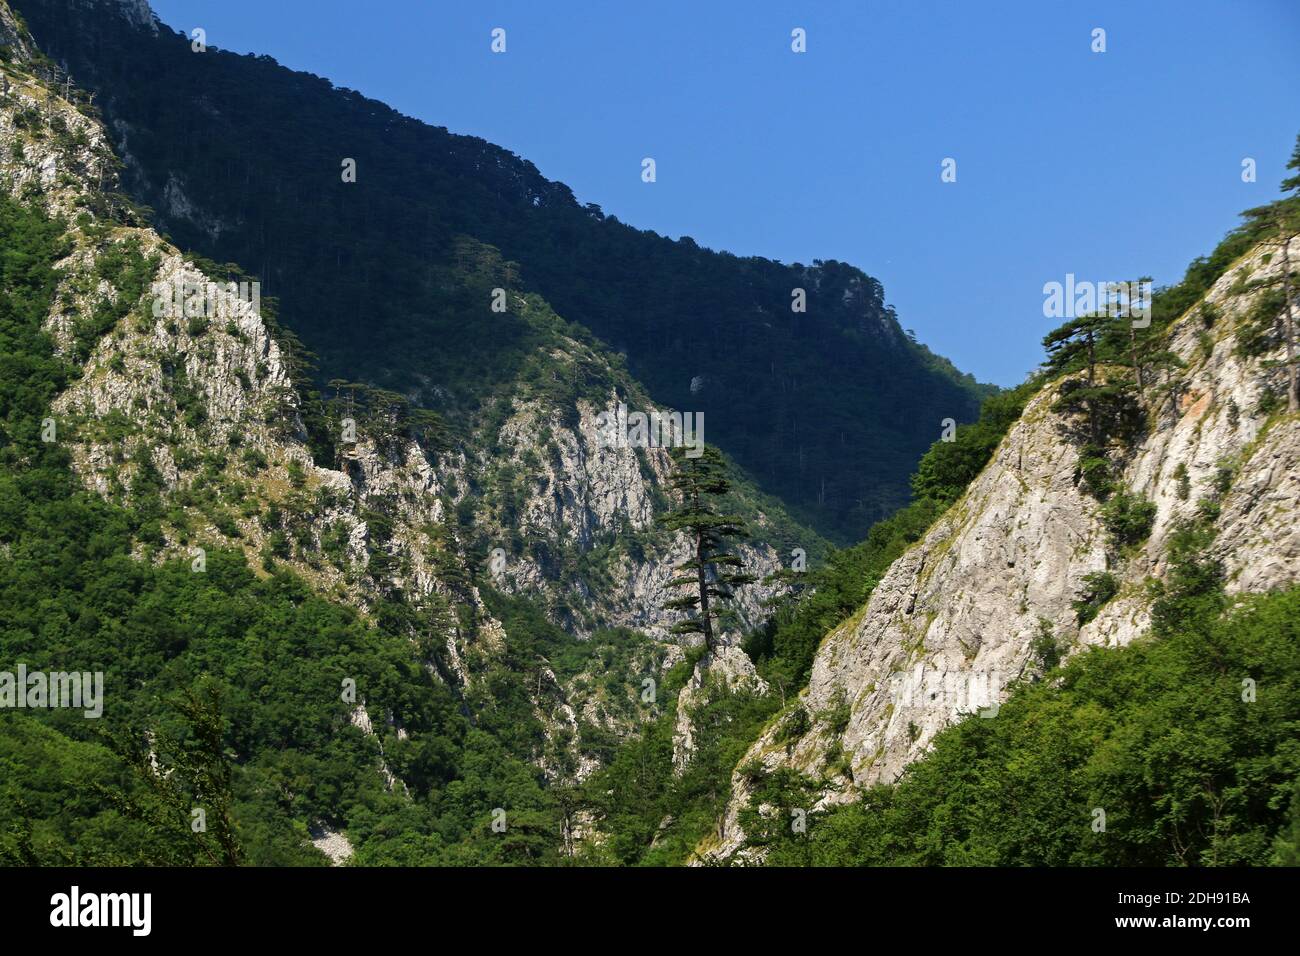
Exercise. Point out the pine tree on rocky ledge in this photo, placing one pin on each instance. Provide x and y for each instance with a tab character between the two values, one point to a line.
711	571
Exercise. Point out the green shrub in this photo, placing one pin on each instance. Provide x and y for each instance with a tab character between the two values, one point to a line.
835	717
254	460
1098	588
1046	649
1184	483
1128	519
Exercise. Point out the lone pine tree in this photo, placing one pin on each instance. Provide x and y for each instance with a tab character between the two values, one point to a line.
1074	346
710	573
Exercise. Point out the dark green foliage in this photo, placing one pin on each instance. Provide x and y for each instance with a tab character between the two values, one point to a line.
794	725
1077	344
1128	519
1183	481
948	467
1171	302
1259	333
1286	848
710	575
786	798
264	744
1191	594
182	776
653	815
30	376
1098	588
1046	648
1087	351
126	268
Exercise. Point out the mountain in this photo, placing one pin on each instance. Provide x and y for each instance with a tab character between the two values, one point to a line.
1159	561
1078	646
357	616
334	623
240	159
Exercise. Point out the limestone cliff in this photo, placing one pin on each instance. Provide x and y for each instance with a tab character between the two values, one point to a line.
953	622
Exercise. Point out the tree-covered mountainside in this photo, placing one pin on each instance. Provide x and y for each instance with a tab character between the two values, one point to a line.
653	812
828	409
1138	518
334	625
1178	750
302	653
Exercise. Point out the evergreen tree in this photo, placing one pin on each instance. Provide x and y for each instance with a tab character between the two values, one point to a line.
186	775
710	572
1085	343
1074	345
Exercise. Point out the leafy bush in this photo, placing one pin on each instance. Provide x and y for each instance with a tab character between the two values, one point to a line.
949	467
1128	519
835	718
1045	647
1098	588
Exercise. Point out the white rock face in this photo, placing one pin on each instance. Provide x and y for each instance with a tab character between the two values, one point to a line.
583	493
583	489
952	622
14	37
333	844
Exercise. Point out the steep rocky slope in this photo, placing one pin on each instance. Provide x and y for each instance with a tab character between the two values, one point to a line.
562	494
186	389
956	619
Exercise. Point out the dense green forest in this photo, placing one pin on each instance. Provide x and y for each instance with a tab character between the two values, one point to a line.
388	278
276	654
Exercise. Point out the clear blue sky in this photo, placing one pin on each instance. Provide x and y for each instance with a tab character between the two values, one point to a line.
1108	165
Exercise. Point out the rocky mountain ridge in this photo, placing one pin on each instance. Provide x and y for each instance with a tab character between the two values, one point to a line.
826	405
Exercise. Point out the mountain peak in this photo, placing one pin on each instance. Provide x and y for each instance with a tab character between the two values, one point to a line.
136	12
